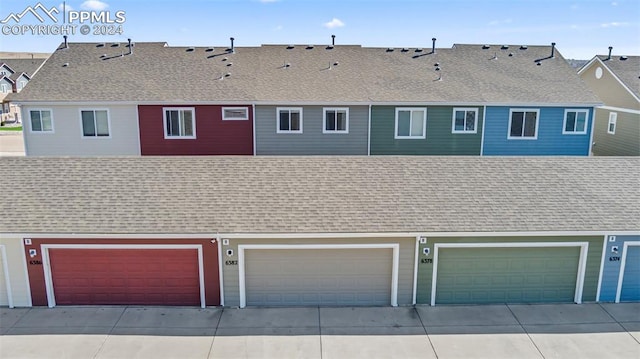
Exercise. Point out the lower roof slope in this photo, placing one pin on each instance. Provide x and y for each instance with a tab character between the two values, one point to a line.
182	195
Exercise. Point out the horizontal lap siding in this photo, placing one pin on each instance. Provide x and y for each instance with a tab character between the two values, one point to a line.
312	141
405	265
439	139
550	139
611	268
594	256
625	141
214	136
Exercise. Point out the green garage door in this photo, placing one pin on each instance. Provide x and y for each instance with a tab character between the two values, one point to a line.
506	275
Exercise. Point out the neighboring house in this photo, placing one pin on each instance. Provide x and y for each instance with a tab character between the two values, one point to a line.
307	100
616	80
14	76
318	230
621	269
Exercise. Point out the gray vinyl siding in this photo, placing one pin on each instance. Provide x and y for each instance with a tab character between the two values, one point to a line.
311	141
67	140
405	265
626	140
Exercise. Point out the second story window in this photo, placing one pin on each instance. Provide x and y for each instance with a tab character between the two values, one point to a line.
289	120
95	123
523	124
575	122
465	120
179	123
411	123
41	121
336	120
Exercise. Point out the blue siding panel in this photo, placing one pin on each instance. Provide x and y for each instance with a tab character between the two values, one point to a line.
611	271
550	139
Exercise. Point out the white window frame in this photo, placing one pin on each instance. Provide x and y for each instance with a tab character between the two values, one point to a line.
164	122
525	110
289	109
465	109
246	117
4	88
324	120
21	85
52	122
424	123
586	121
613	120
82	124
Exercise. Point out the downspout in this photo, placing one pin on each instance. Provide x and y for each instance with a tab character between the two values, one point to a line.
415	271
253	112
484	125
24	129
220	266
369	133
591	129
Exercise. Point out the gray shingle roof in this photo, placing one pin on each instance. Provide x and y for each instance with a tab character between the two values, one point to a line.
28	66
345	73
319	194
628	71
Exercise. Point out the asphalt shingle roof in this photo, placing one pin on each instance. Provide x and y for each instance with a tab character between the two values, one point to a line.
301	73
628	71
183	195
28	66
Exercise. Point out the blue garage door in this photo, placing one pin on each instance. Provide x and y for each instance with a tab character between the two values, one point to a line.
631	283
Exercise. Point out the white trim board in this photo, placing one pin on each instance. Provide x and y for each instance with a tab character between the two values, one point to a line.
394	271
48	278
584	246
623	265
604	252
7	277
619	109
603	64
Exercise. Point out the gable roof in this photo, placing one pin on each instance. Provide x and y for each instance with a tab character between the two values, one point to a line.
627	71
27	66
3	77
185	195
17	75
317	74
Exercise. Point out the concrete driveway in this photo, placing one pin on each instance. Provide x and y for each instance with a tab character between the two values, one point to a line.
11	143
497	331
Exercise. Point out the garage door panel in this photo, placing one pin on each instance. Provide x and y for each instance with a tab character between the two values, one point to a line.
318	277
630	291
506	275
125	276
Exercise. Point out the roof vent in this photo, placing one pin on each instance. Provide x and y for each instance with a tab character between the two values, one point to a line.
553	50
228	74
433	45
66	44
539	63
504	47
225	58
309	47
404	49
330	47
610	49
210	49
436	64
333	40
624	58
100	44
103	56
66	64
115	44
524	47
286	65
495	56
191	49
418	50
230	64
232	49
485	47
511	54
290	47
390	49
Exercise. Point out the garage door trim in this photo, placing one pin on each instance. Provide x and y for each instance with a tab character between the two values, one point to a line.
48	278
623	264
394	271
7	278
582	263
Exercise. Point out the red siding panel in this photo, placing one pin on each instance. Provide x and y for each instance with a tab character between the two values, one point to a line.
213	135
125	276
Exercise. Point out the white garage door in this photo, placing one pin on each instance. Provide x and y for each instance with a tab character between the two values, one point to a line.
301	277
4	295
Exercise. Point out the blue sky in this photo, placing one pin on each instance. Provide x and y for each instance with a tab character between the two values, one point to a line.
580	28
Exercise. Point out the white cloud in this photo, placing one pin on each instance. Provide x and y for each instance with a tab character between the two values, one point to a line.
95	5
500	22
614	24
614	3
334	23
279	27
574	7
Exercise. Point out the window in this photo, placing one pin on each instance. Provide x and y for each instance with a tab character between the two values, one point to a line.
95	123
4	88
179	123
611	127
289	120
336	120
41	121
575	121
411	123
235	113
465	120
523	124
21	85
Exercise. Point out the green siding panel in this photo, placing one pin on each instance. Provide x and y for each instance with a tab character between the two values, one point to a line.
626	140
506	275
594	256
439	139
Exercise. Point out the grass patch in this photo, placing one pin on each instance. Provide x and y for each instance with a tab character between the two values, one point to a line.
7	128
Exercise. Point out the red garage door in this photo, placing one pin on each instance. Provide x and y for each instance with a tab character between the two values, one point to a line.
125	276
